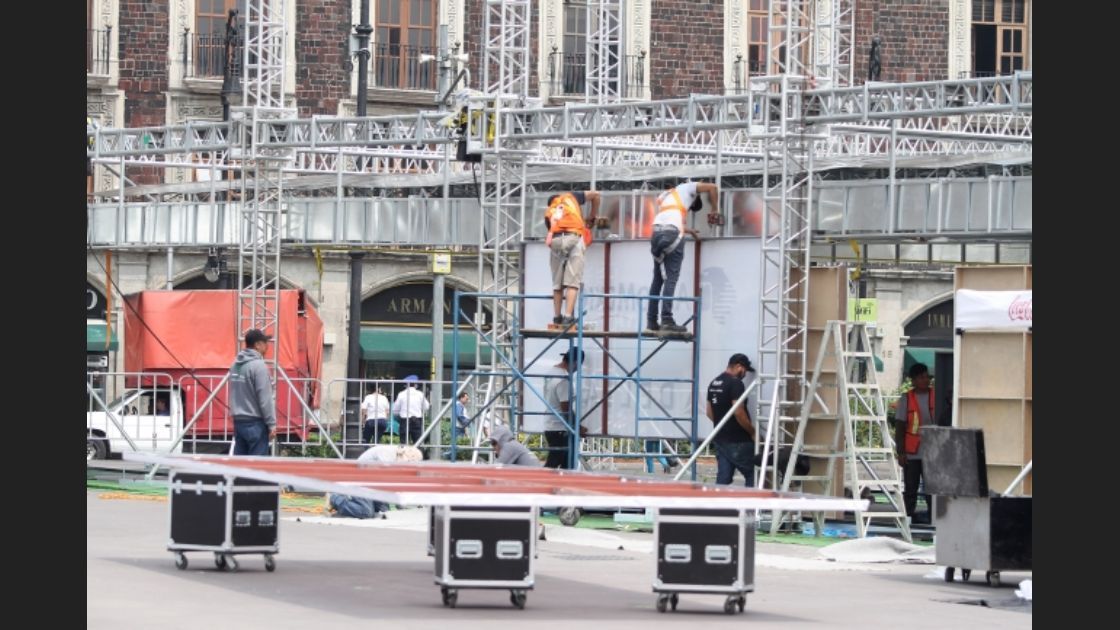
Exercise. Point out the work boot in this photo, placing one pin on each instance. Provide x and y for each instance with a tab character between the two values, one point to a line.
670	326
557	322
567	322
651	328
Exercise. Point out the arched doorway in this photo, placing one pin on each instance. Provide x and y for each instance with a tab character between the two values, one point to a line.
396	337
100	338
930	341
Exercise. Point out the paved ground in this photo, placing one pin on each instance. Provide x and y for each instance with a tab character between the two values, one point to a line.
334	575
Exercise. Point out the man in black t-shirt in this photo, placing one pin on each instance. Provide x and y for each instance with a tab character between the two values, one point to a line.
734	444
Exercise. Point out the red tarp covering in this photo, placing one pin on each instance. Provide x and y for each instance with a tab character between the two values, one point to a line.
198	330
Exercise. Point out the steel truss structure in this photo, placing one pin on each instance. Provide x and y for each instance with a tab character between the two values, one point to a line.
263	84
803	119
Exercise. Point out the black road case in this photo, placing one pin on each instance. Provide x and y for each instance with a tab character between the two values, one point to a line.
223	514
989	534
484	547
704	551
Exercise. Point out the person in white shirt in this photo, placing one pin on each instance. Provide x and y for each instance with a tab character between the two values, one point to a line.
558	385
375	409
410	406
667	250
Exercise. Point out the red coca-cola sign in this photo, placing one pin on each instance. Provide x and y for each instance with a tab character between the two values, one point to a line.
1021	308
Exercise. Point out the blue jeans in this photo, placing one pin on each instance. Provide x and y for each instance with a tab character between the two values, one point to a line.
250	437
654	446
664	283
356	507
374	429
732	456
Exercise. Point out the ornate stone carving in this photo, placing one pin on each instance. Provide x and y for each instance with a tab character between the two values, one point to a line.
960	18
185	110
735	38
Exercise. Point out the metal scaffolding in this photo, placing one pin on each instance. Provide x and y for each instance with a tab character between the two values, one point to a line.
516	369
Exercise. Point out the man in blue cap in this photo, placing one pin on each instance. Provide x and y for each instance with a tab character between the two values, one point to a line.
558	389
410	407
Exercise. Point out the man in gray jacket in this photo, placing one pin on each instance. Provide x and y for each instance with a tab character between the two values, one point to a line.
251	402
513	453
509	450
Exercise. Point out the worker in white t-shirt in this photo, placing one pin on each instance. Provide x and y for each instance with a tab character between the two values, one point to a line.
410	406
375	409
666	246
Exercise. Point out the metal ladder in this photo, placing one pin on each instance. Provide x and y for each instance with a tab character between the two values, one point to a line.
860	420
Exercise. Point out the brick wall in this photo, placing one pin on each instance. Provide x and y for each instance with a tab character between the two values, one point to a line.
144	30
686	47
143	61
473	36
914	36
322	45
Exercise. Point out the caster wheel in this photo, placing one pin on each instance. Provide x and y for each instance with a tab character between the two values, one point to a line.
673	600
220	561
662	603
965	574
569	516
730	605
993	578
231	563
269	563
181	561
450	598
517	598
949	574
742	602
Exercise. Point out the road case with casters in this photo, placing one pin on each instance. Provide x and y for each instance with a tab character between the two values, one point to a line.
704	551
484	547
226	515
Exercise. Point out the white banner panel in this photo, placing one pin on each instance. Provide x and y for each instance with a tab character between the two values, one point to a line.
993	310
728	281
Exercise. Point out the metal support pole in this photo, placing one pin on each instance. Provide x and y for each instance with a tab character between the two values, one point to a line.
363	30
437	365
892	192
170	267
352	421
719	425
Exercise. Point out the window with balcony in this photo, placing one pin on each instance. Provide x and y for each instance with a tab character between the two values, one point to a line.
206	46
999	37
572	56
568	64
97	45
758	20
406	29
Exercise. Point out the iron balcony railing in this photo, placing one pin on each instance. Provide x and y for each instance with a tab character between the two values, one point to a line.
204	55
97	50
398	67
567	74
742	69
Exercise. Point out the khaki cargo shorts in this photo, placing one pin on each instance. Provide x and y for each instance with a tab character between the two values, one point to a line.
566	248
